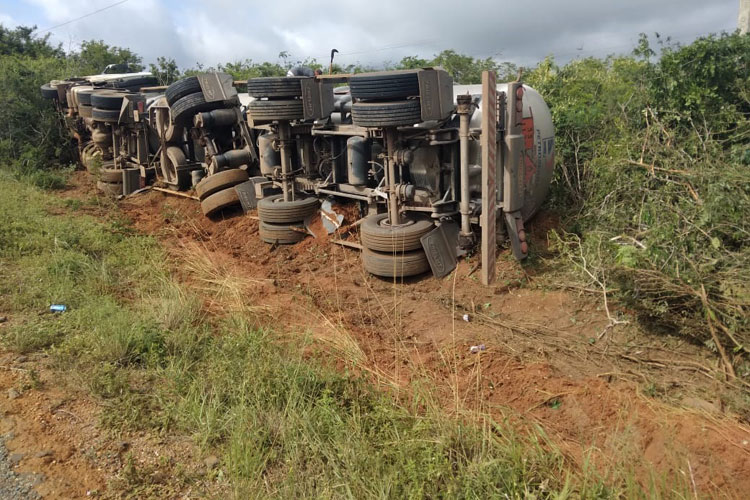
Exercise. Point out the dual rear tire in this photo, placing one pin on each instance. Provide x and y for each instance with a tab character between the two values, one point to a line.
394	251
282	222
217	192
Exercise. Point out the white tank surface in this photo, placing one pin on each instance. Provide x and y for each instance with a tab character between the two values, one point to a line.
539	147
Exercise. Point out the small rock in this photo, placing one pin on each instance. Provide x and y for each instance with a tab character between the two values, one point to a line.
22	359
211	462
33	477
13	394
15	458
3	319
43	453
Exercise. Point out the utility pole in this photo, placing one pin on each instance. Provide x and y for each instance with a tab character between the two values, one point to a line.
743	21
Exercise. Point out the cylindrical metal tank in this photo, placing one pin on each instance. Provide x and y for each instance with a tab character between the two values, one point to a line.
539	145
269	157
358	156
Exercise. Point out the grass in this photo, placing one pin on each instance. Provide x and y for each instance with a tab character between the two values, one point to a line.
283	425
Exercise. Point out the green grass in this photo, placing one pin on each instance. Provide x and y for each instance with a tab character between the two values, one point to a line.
283	425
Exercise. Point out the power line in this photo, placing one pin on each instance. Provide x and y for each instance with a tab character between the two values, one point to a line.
83	16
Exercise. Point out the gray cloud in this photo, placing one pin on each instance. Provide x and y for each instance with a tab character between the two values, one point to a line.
373	32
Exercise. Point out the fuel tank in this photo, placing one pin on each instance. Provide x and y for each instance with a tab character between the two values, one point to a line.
539	146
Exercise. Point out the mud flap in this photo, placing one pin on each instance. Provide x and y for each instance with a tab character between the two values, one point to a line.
516	234
246	194
217	87
440	247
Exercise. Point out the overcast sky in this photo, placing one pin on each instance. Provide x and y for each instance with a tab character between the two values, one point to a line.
370	31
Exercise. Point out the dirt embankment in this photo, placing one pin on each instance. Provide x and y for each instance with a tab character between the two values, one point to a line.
549	358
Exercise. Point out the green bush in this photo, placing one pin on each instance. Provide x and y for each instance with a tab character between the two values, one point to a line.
653	178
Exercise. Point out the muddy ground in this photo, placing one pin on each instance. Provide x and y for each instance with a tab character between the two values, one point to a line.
611	395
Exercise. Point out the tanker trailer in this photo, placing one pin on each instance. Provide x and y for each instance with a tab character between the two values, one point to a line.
408	146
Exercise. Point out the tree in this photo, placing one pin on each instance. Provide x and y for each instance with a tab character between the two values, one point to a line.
20	41
412	62
95	55
165	70
464	69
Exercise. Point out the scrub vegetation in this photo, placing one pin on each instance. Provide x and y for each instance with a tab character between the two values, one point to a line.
284	423
653	188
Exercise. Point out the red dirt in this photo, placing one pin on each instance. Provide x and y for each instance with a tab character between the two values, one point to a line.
543	362
56	430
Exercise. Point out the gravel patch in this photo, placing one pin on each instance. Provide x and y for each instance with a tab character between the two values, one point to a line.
15	486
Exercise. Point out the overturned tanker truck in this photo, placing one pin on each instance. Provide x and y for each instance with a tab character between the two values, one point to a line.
436	169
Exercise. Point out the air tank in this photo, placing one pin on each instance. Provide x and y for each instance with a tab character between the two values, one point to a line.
269	157
539	145
358	157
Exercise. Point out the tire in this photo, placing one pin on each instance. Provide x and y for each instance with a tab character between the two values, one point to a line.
182	88
275	210
281	234
109	188
219	181
85	111
385	86
290	86
107	99
386	114
172	132
378	236
90	151
84	97
48	91
110	175
219	201
184	109
171	160
105	115
263	111
395	265
136	83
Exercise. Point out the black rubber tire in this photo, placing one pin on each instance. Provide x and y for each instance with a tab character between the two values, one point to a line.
182	88
172	132
136	83
378	236
89	156
171	160
105	115
264	111
110	175
220	181
84	97
275	210
395	265
290	86
219	201
386	114
385	86
85	111
184	109
48	91
107	99
281	234
110	188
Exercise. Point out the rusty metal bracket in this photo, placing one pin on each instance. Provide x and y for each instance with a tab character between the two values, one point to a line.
488	143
